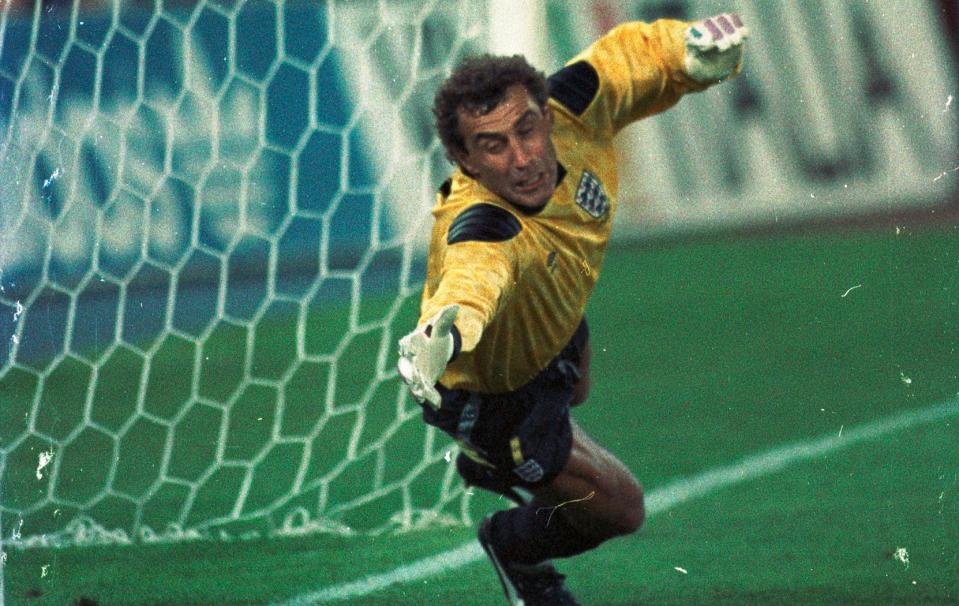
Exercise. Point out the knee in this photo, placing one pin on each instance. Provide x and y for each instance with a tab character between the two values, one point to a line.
624	514
633	511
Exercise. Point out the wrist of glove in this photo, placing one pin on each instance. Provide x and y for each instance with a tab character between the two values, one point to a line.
424	354
714	48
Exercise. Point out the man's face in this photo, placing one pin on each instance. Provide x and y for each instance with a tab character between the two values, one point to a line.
509	149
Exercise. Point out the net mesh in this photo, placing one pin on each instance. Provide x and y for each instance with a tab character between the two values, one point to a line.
212	218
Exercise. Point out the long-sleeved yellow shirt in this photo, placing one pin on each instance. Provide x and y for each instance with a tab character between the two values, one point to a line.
522	290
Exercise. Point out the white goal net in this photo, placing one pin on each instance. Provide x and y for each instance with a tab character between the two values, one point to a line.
211	220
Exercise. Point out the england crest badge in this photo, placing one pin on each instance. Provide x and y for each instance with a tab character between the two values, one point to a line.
591	196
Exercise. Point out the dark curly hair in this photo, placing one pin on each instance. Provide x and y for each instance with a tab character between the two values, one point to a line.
479	84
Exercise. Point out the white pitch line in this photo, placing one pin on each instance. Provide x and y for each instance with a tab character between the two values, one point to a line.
3	553
664	498
3	559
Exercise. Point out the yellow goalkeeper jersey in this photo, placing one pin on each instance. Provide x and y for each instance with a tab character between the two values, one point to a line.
522	280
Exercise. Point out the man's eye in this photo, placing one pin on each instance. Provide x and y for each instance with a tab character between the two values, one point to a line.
492	148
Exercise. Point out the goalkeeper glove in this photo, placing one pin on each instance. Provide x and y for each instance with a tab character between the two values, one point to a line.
424	354
714	47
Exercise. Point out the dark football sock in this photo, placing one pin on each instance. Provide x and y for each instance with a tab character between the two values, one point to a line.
534	533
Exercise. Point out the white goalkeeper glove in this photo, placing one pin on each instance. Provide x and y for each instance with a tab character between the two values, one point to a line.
714	47
424	354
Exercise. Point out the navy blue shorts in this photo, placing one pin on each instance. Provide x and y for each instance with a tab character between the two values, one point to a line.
522	437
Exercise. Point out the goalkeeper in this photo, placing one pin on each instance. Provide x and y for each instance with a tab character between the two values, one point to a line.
502	349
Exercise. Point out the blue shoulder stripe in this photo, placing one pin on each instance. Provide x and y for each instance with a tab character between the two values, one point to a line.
575	86
483	223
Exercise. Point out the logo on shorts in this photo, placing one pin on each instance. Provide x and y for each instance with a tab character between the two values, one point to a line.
530	471
591	196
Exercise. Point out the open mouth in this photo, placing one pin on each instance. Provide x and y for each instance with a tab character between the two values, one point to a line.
530	184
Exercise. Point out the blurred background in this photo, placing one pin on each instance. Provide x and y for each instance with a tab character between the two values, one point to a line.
213	219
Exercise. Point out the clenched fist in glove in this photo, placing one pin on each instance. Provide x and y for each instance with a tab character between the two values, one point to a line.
714	47
424	354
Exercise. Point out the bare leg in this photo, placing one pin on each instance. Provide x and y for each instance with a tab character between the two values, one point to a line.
595	492
594	498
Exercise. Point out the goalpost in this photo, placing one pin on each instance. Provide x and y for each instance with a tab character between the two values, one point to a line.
213	217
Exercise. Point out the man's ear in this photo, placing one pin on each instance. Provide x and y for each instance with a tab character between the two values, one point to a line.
548	114
463	159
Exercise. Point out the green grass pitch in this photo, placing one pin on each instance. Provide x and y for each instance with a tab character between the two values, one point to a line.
705	352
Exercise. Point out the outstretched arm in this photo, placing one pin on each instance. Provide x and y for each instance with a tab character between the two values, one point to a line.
639	69
475	278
